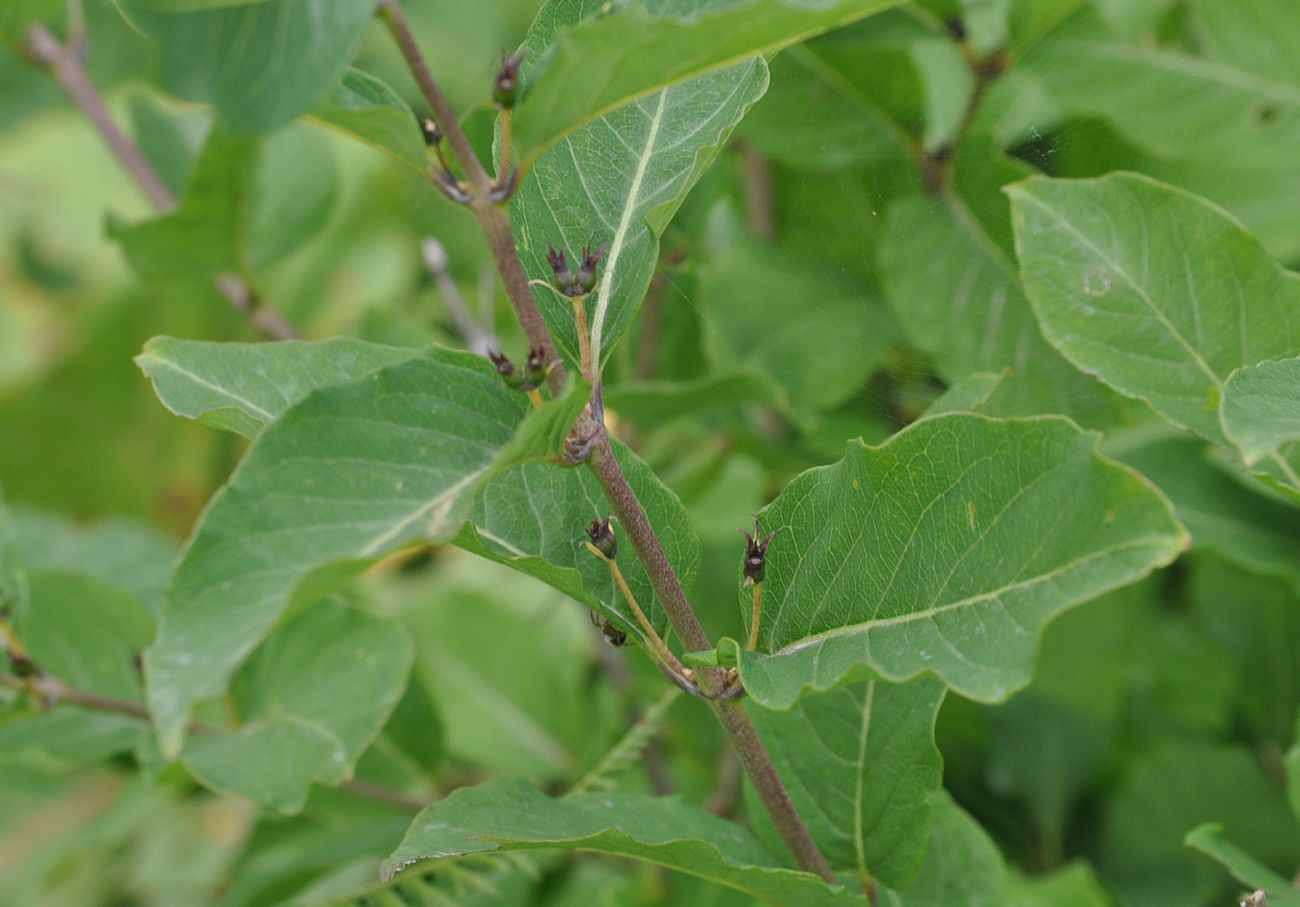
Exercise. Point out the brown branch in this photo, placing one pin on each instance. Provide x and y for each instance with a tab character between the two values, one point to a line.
500	238
65	65
53	691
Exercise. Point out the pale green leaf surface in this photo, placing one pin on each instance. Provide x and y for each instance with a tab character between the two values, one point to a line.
125	554
963	867
310	700
363	106
1210	840
946	549
243	386
351	473
633	52
1240	116
1262	37
260	64
618	181
504	815
966	308
532	518
860	763
1260	407
1156	291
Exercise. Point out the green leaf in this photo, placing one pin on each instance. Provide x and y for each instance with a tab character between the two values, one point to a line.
618	181
633	52
1247	528
13	581
531	517
946	549
860	763
966	308
1073	886
363	106
962	868
1260	407
508	666
127	555
206	234
1210	840
1169	791
309	701
814	337
657	402
16	15
87	636
968	394
351	473
1155	291
259	64
242	387
1241	116
511	815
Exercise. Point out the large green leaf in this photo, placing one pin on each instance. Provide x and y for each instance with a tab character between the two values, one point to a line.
962	865
946	549
260	64
363	106
618	180
634	51
243	386
309	701
512	815
352	472
1260	409
966	308
860	763
531	517
1157	292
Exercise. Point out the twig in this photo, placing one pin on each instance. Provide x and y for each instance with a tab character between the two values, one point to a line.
491	218
756	177
54	691
66	67
500	238
477	339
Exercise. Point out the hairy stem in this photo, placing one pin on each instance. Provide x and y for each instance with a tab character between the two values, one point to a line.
495	224
65	66
56	691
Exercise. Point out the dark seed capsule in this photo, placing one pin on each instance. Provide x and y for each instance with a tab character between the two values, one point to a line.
505	87
432	134
601	534
755	565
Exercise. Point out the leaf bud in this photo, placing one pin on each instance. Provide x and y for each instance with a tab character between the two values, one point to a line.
602	538
755	566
